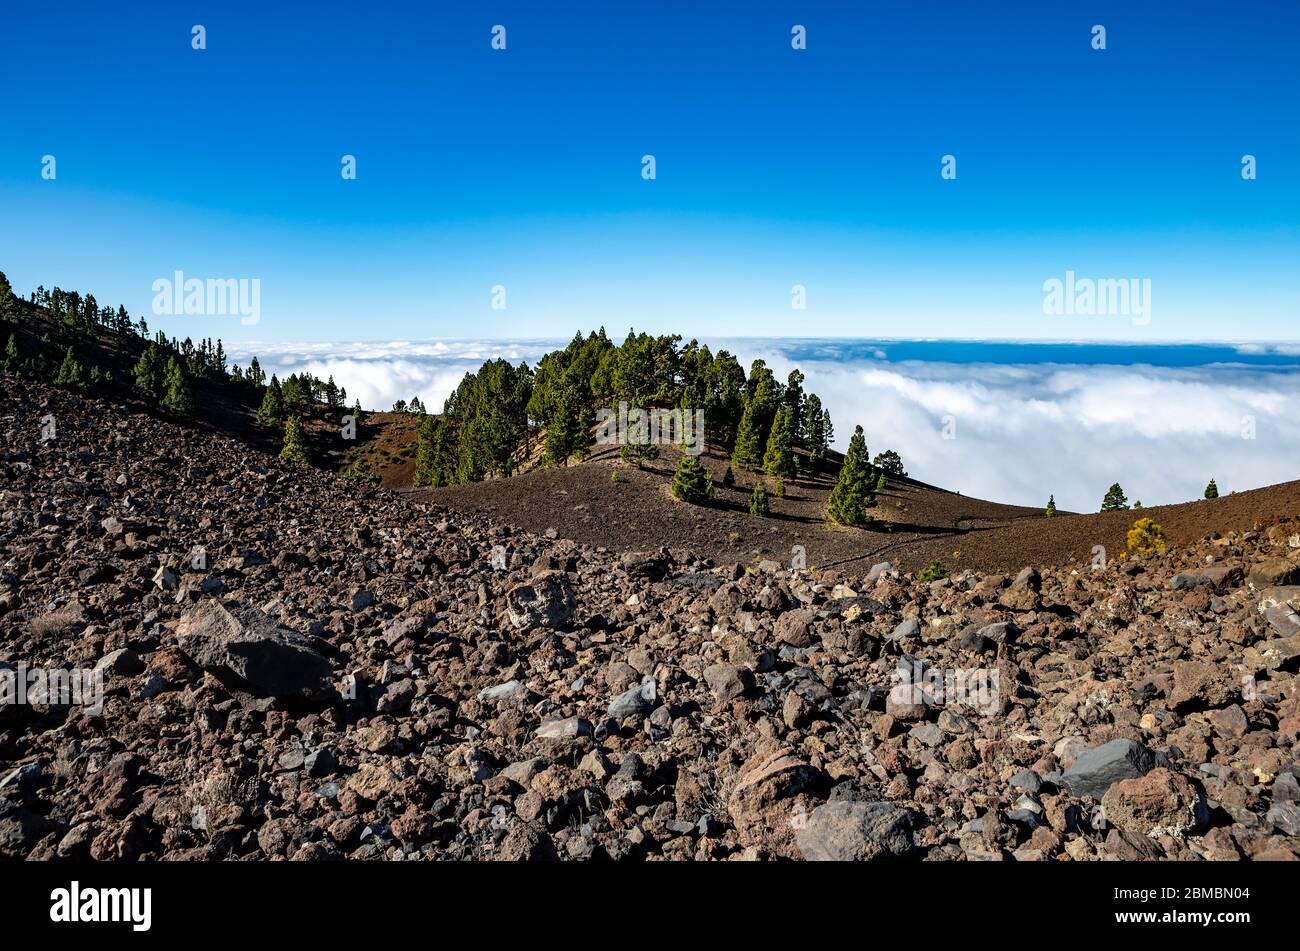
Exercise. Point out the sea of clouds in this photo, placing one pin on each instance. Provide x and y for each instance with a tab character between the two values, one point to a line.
1019	431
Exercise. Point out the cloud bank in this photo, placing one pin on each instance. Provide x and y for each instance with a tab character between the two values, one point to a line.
1020	431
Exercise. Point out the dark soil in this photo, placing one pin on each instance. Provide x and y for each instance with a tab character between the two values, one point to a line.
914	524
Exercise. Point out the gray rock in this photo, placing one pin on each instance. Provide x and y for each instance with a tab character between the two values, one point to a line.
1002	632
523	771
1285	817
909	628
637	701
1286	788
248	650
567	729
122	662
543	601
503	693
1028	780
848	831
1095	769
879	569
24	780
1029	578
319	762
928	734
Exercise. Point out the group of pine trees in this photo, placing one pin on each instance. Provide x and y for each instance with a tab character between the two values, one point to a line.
164	373
482	426
757	419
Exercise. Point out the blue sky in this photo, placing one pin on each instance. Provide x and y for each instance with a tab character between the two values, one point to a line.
775	167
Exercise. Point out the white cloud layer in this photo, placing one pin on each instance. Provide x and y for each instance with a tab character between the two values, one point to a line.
379	374
1023	431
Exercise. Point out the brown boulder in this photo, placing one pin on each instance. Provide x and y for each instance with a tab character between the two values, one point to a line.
1158	804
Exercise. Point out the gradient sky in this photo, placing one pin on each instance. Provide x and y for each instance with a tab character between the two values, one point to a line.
775	167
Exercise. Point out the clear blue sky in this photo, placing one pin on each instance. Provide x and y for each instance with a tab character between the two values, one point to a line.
775	167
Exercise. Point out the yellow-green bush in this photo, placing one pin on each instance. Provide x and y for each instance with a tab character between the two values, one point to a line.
1146	537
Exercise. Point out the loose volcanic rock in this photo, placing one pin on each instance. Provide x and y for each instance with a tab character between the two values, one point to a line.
855	832
246	648
1096	769
545	600
340	671
769	794
1158	804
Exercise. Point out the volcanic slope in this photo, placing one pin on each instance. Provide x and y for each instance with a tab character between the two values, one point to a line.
914	523
346	673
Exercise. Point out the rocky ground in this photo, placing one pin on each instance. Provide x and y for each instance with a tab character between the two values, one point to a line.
351	674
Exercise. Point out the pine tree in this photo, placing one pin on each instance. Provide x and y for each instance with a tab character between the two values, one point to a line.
272	409
70	375
890	462
746	452
295	393
794	398
778	460
564	431
425	461
146	376
758	499
760	410
1211	490
8	302
295	449
852	493
1051	506
177	398
692	482
1115	500
11	362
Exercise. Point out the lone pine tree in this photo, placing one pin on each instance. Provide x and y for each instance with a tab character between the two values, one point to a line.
851	496
70	375
692	482
1115	500
295	449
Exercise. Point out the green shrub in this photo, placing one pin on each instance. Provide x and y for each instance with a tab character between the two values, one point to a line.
692	482
933	572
